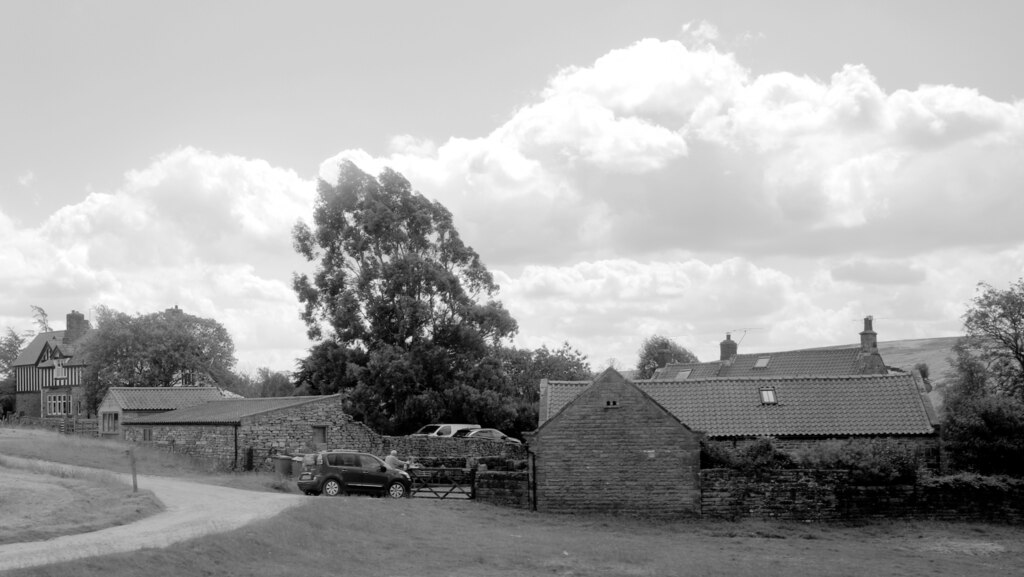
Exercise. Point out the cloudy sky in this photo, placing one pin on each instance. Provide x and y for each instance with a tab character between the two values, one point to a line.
778	170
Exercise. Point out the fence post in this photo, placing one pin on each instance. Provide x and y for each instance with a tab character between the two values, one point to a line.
131	460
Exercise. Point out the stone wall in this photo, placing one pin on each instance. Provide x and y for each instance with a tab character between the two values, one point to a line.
27	404
826	495
614	450
506	488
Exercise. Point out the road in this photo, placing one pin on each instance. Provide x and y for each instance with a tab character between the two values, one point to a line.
192	510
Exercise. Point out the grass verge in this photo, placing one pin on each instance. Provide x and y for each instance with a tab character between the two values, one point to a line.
365	536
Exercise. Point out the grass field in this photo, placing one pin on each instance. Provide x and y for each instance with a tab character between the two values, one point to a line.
366	536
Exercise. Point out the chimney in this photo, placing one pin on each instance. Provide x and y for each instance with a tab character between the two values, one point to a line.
728	347
868	337
76	327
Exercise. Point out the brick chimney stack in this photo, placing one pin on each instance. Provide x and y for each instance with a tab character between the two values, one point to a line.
728	348
76	326
868	337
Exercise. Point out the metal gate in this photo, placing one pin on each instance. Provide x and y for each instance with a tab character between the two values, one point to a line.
442	483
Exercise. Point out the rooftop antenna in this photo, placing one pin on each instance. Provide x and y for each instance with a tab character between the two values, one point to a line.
745	330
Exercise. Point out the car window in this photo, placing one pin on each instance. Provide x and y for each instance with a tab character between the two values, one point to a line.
369	463
462	433
426	430
334	459
444	431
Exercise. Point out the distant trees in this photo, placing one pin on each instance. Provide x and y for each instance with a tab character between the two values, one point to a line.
658	351
154	350
263	383
406	310
524	370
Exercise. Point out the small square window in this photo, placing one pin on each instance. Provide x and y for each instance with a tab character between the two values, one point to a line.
762	362
768	397
611	404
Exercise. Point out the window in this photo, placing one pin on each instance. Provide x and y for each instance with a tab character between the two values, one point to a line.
611	404
768	397
762	362
444	431
147	434
319	435
109	424
58	369
58	405
682	375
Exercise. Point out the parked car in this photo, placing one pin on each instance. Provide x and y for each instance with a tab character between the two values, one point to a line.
334	473
442	429
487	434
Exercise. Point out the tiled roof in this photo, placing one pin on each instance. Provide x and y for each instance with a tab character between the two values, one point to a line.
223	412
30	354
806	405
803	362
162	398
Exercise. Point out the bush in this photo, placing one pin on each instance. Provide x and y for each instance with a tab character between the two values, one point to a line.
985	435
757	457
962	481
870	460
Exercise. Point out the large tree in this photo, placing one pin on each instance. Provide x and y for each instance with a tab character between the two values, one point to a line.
394	281
525	368
155	350
658	351
994	323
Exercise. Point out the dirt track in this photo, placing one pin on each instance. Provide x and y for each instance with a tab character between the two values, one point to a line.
192	510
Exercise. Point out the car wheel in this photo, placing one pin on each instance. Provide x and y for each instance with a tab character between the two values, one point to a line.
332	488
396	490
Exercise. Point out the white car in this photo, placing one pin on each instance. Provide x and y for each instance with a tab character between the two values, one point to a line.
442	430
486	434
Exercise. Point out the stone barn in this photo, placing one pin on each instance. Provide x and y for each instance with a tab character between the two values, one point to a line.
122	403
249	433
611	448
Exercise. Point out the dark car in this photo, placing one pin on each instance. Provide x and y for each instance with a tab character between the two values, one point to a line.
486	434
334	473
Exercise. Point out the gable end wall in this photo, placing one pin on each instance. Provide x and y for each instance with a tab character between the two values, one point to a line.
633	458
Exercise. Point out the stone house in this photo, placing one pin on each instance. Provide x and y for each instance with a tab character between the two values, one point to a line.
121	403
249	433
612	448
48	375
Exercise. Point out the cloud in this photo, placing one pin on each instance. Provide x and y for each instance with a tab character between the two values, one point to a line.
777	200
209	233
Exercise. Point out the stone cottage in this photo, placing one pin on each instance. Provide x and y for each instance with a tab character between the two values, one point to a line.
612	448
249	433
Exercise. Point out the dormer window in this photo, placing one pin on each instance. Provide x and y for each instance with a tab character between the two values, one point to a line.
683	375
768	397
762	362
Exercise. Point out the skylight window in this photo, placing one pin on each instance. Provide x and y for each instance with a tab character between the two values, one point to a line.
683	374
762	362
768	397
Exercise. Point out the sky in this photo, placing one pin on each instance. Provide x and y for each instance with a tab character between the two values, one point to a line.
777	171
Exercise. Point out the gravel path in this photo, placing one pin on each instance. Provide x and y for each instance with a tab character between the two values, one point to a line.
192	510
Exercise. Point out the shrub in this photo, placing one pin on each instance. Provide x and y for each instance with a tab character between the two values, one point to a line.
985	435
870	460
752	459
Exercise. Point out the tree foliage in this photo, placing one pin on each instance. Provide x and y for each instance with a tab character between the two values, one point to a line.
263	383
10	346
154	350
658	351
399	296
994	324
42	319
982	428
524	370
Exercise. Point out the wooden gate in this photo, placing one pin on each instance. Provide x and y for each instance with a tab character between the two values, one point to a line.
442	483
